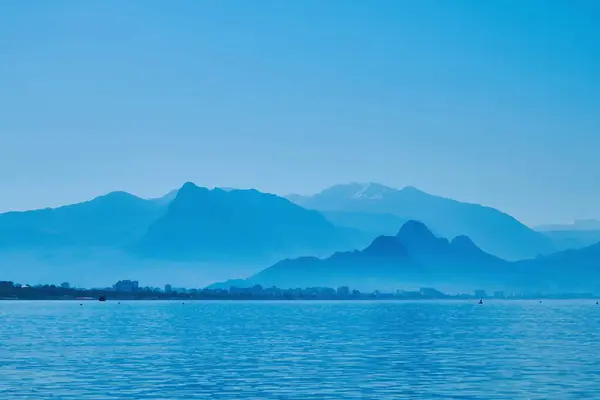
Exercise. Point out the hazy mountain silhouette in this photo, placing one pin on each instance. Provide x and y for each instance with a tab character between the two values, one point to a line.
429	249
495	232
236	231
237	224
575	239
216	233
385	263
412	257
574	270
458	262
585	260
581	233
577	225
110	220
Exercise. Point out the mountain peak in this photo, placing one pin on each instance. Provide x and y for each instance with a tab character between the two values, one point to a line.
190	189
463	242
118	194
418	239
203	223
189	186
358	191
372	191
117	197
413	230
412	190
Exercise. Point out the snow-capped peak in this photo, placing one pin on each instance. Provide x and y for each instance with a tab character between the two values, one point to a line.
371	191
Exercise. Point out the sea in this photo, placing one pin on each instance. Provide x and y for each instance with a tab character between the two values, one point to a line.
300	350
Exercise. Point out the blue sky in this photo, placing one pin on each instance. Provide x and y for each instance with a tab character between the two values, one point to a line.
495	102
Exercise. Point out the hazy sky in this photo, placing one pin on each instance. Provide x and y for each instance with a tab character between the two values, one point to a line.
496	102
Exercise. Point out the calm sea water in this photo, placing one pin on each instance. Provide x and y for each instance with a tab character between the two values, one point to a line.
300	350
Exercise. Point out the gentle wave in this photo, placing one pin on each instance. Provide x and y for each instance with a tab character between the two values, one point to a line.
300	350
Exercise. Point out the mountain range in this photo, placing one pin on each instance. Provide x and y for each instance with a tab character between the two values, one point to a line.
227	232
494	231
202	235
203	224
415	257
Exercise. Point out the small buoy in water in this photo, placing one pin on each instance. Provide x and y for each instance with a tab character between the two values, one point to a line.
80	304
119	302
481	301
540	302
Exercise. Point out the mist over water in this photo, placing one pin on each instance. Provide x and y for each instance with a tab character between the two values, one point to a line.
300	350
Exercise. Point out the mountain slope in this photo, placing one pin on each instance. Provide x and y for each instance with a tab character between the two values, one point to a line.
581	233
576	239
414	257
577	225
237	224
383	264
492	230
570	270
110	220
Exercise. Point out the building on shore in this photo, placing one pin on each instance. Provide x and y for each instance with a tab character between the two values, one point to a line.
126	286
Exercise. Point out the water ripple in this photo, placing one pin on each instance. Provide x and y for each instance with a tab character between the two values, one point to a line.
299	350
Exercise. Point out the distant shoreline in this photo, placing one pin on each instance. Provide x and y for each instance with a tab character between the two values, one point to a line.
264	299
11	291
